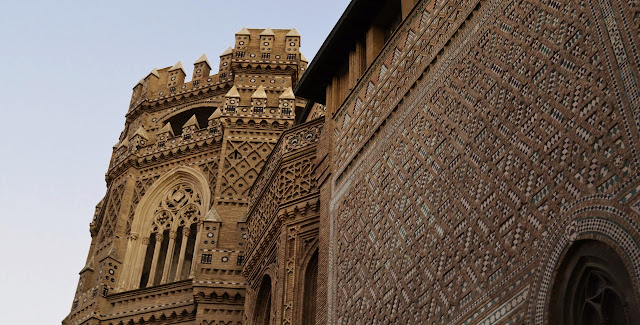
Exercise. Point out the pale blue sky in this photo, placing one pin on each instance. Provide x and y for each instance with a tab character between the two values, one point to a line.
66	73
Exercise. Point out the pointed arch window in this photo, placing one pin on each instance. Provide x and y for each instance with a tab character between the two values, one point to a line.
592	286
171	241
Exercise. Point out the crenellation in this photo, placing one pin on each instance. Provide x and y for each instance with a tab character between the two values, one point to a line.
239	65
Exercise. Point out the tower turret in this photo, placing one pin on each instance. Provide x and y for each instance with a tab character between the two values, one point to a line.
190	127
201	68
215	127
165	133
139	138
176	76
287	102
243	37
259	100
292	44
225	64
232	100
267	38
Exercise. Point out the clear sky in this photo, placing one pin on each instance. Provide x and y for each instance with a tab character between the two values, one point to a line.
67	70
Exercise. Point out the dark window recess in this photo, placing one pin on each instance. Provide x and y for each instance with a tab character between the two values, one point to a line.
223	75
105	291
240	259
206	259
95	292
196	83
592	287
291	57
266	55
160	144
231	109
75	304
239	54
286	111
172	89
187	137
259	110
202	115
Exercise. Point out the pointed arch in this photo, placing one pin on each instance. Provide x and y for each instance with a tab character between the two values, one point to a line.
145	213
310	289
262	312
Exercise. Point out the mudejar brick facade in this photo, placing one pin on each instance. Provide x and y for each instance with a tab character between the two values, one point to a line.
483	167
441	162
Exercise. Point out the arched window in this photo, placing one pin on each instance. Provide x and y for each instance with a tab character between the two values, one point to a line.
172	237
165	229
310	290
592	286
262	314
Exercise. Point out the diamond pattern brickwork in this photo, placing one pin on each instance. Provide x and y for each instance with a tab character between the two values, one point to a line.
111	213
140	189
242	164
455	167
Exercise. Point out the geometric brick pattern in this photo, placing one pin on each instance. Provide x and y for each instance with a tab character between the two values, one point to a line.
282	225
521	115
140	189
242	164
111	214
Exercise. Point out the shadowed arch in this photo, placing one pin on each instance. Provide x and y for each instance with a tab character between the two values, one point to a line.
262	313
592	286
310	290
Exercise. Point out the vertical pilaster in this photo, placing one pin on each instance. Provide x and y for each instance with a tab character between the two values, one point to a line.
374	43
128	283
196	251
356	64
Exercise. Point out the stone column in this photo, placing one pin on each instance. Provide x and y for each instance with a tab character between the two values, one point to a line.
135	284
169	257
192	273
183	248
154	262
129	282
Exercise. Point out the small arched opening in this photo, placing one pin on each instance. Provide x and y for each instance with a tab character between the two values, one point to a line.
262	314
310	291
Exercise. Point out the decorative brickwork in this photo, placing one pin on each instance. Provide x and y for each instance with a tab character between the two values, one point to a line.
473	153
283	228
494	120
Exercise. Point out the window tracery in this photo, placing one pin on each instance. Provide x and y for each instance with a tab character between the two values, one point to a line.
592	287
169	253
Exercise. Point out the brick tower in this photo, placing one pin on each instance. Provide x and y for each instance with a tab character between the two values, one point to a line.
168	238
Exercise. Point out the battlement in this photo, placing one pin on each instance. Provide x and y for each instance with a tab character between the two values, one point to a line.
254	51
